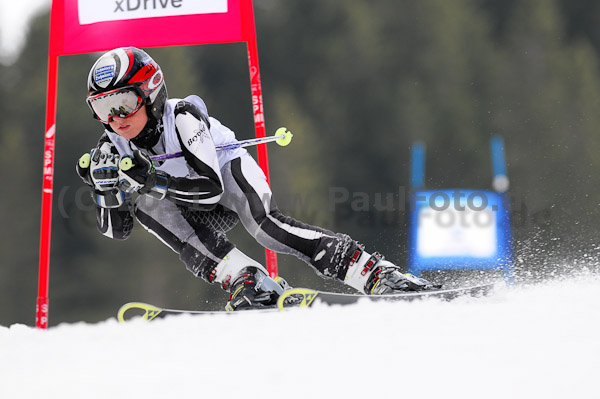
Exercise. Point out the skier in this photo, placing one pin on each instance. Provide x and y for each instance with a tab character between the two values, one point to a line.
189	203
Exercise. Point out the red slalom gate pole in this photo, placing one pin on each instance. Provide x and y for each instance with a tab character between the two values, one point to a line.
259	127
47	187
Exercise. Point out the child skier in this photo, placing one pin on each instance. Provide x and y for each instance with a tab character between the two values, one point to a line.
189	203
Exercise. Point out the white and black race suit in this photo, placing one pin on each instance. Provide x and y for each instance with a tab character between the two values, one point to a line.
207	190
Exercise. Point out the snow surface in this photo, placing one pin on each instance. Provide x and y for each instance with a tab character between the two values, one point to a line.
541	341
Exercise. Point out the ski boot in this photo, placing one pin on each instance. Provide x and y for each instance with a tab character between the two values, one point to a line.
252	289
373	275
247	281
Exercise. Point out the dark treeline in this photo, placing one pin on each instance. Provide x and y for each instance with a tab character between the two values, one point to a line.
357	82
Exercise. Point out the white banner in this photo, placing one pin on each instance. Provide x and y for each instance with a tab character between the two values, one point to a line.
92	11
454	233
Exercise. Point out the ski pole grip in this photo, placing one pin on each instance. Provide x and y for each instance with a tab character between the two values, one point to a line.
126	164
84	161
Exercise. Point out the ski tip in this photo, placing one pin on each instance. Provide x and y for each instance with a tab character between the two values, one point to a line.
150	311
296	298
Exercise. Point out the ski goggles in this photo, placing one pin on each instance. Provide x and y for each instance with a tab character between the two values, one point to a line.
120	103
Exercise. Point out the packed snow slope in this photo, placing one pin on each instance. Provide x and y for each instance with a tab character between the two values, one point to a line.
540	341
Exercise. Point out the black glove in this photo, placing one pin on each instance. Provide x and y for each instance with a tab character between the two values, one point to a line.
138	174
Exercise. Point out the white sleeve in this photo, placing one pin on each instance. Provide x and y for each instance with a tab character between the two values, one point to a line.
199	151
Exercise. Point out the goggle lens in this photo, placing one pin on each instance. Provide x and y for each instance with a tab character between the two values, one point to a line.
116	103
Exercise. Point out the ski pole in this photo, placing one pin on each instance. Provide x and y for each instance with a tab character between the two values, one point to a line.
282	136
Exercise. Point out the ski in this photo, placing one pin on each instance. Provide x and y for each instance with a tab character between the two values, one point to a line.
150	312
304	297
